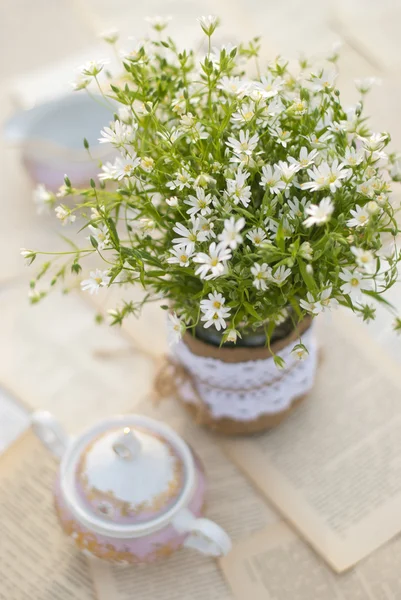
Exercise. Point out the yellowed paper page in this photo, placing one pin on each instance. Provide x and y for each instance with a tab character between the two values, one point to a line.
333	468
230	501
274	564
37	561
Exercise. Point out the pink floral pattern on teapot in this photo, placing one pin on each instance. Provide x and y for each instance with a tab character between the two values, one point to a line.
130	490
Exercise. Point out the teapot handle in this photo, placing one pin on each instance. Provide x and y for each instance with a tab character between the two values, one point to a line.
204	535
50	432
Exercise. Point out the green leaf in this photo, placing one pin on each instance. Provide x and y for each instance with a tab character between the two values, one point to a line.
252	311
113	233
379	298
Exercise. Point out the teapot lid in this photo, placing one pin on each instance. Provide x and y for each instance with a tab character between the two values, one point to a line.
128	474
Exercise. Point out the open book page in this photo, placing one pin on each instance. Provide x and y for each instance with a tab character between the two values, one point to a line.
333	469
187	575
274	564
37	561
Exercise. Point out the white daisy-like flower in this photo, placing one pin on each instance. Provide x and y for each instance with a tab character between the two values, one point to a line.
270	85
199	203
261	274
181	255
283	136
101	235
245	114
172	201
299	352
232	336
92	68
206	227
108	172
257	236
218	319
176	328
271	179
214	305
64	214
43	199
125	167
111	36
364	259
297	207
208	23
158	23
97	279
215	261
305	158
353	157
280	275
326	300
326	175
147	163
245	145
319	213
117	134
324	81
360	217
80	83
311	305
354	284
287	171
230	235
237	189
189	236
230	85
182	180
375	142
365	85
366	188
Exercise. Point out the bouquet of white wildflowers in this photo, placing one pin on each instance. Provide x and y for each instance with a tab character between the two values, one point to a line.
241	196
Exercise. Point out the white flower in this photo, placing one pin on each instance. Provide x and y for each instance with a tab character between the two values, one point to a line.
287	171
372	207
214	311
299	352
28	255
158	23
280	275
172	201
360	217
206	228
319	213
189	236
366	189
261	274
64	214
80	83
97	279
208	24
108	172
93	68
326	300
305	158
257	236
311	305
306	251
111	36
375	142
125	167
270	85
117	134
181	255
324	81
283	136
354	283
271	178
365	85
43	199
176	328
232	335
297	207
326	175
245	114
230	235
364	259
230	85
353	157
199	203
237	188
101	235
182	180
147	163
245	145
214	261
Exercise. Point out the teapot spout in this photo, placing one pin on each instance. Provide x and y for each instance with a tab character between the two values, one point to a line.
50	432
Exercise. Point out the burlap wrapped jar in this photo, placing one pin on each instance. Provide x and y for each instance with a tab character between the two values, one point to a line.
240	390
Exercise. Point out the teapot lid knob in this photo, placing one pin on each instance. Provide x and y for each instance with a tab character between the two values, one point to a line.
127	446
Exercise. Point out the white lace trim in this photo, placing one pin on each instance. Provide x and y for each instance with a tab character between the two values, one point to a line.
244	391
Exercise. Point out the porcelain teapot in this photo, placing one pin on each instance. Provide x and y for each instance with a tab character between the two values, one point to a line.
130	490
